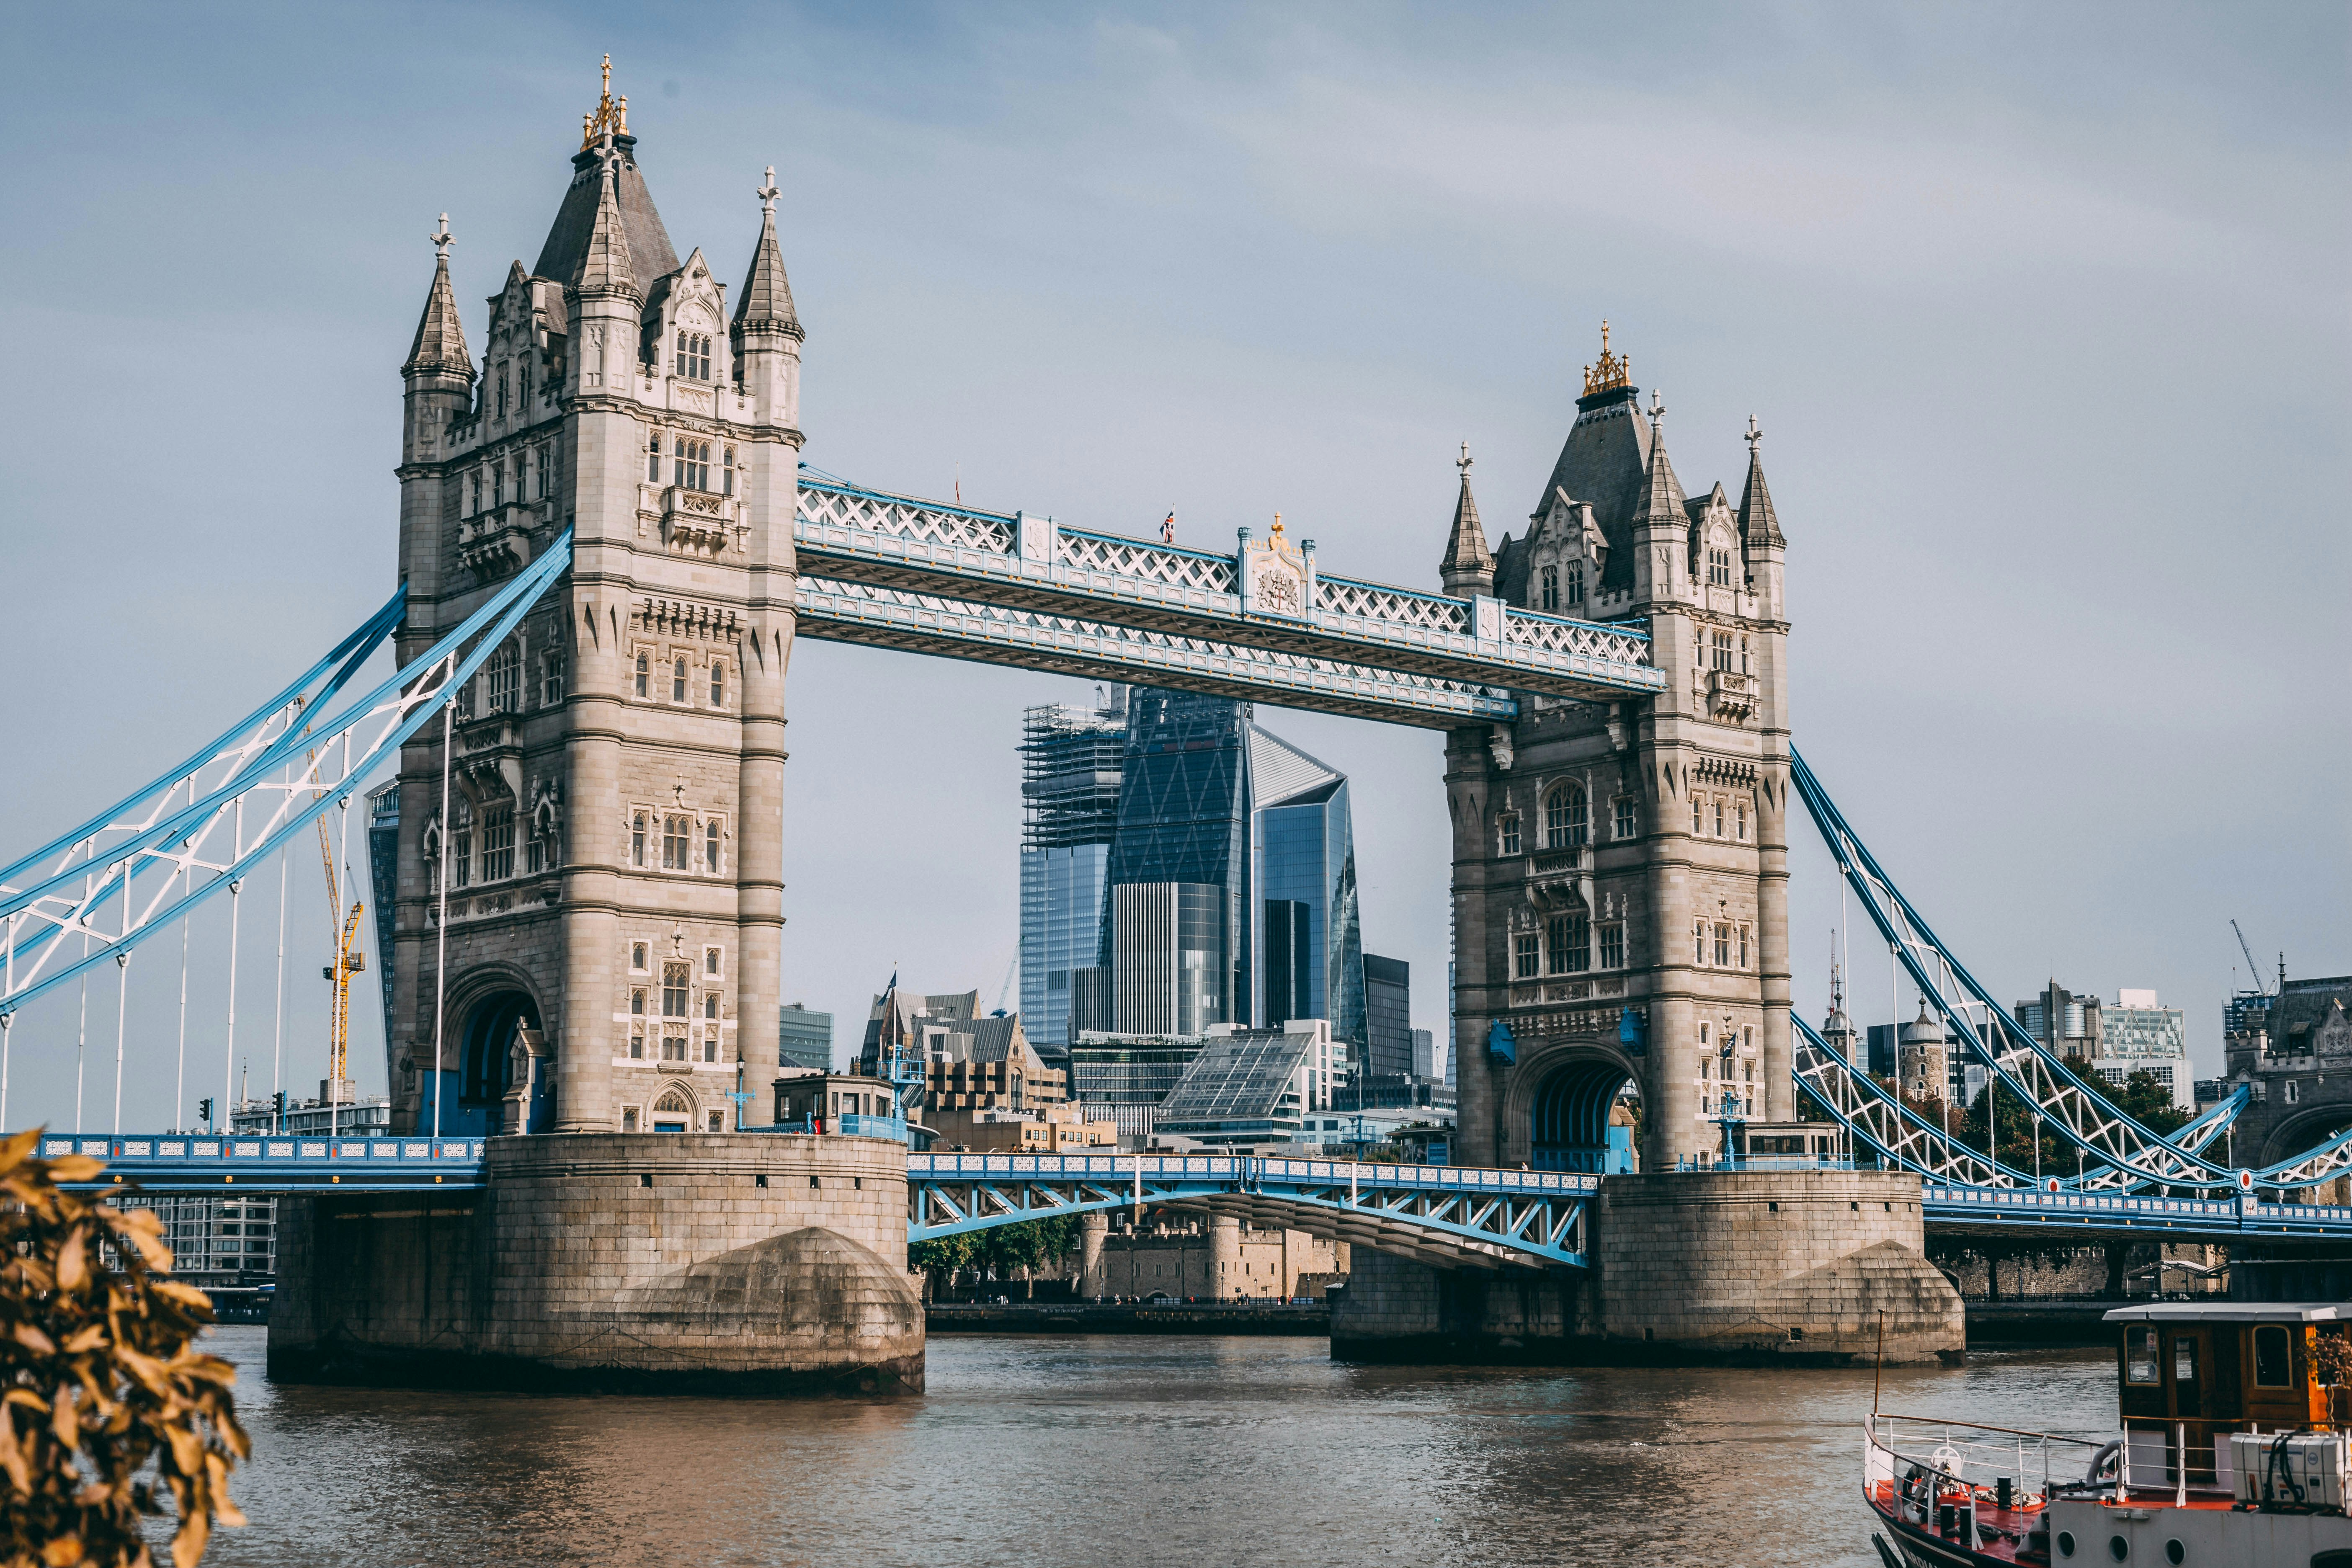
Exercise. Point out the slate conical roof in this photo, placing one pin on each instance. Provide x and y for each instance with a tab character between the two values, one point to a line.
1757	525
440	345
766	302
1465	547
1663	501
651	255
605	265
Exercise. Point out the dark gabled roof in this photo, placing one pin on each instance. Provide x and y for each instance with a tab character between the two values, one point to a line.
1465	545
650	252
1604	462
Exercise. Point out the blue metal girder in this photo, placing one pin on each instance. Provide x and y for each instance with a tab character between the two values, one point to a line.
1472	1216
832	610
2136	1213
849	534
137	876
236	1165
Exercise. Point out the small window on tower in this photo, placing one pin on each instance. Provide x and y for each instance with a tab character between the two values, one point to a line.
1613	945
1718	816
692	360
690	464
1739	822
1719	568
727	480
674	830
541	457
1698	952
710	847
1723	650
1723	947
711	957
502	394
1624	823
1550	588
637	858
718	684
653	459
1698	814
1510	832
551	677
710	1007
1526	955
1575	584
638	951
678	680
645	673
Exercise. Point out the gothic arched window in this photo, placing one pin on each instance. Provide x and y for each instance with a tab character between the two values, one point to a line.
710	847
1550	588
690	464
644	672
718	683
676	836
1575	584
637	858
678	680
653	458
692	359
1566	823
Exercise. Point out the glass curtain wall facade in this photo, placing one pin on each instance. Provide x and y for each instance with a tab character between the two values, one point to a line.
1071	759
1308	937
1179	870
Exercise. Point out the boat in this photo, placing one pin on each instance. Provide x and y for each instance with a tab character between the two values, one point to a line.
2235	1420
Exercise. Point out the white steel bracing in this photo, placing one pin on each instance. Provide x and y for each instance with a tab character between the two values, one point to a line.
138	868
846	533
848	611
1881	1122
2126	1153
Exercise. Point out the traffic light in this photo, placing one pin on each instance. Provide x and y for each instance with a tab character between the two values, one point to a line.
205	1110
278	1107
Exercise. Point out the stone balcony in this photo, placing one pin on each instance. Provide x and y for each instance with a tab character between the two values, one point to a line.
1559	877
497	544
699	522
1731	692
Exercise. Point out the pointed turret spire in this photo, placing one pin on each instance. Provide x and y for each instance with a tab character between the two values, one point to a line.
1757	525
440	345
604	266
766	302
1469	566
1662	503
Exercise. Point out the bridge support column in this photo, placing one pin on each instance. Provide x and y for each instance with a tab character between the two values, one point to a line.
750	1264
1689	1267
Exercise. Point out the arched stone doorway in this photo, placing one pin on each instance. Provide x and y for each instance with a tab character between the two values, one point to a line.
485	1063
1556	1115
674	1111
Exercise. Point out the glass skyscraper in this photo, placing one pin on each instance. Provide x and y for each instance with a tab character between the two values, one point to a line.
1310	938
1071	759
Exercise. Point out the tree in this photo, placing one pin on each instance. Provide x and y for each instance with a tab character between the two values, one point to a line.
940	1257
97	1378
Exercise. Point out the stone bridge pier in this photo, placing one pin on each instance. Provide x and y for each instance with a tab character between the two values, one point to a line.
714	1263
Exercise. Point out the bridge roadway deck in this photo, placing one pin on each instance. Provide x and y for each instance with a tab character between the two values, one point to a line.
1452	1214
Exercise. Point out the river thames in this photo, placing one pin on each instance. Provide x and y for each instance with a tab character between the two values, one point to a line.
1068	1452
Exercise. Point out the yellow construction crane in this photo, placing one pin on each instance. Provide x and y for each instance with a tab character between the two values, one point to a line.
349	961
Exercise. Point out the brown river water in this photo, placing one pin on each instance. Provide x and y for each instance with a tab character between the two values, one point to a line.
1068	1452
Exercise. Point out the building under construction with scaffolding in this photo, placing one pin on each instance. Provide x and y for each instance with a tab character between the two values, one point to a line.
1071	758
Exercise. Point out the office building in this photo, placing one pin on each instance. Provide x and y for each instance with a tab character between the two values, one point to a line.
1426	1064
1309	941
805	1038
1071	759
1388	1015
1175	939
2139	1033
1125	1077
2064	1021
1254	1088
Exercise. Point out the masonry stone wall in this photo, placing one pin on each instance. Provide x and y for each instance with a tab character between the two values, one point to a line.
1224	1260
1685	1266
736	1263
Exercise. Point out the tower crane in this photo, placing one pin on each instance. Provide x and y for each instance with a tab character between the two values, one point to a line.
2252	969
344	931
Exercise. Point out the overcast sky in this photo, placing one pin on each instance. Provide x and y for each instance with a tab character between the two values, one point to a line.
2043	312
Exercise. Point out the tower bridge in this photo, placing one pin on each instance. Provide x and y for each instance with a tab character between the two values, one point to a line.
608	544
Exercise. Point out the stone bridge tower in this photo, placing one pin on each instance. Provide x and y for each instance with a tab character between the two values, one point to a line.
614	833
1620	870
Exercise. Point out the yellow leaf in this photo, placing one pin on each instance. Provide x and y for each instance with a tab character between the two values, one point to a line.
62	1420
18	1145
175	1290
25	1397
75	1168
88	1338
73	1261
12	1458
188	1545
62	1552
33	1340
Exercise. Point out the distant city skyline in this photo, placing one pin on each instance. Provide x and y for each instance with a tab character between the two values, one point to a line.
1991	282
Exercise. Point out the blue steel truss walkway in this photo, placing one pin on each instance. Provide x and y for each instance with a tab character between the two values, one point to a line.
1451	1216
1261	623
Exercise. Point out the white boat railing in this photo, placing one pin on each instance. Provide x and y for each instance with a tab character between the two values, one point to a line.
1926	1462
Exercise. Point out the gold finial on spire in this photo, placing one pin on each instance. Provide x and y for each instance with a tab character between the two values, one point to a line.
1277	526
611	114
1613	371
